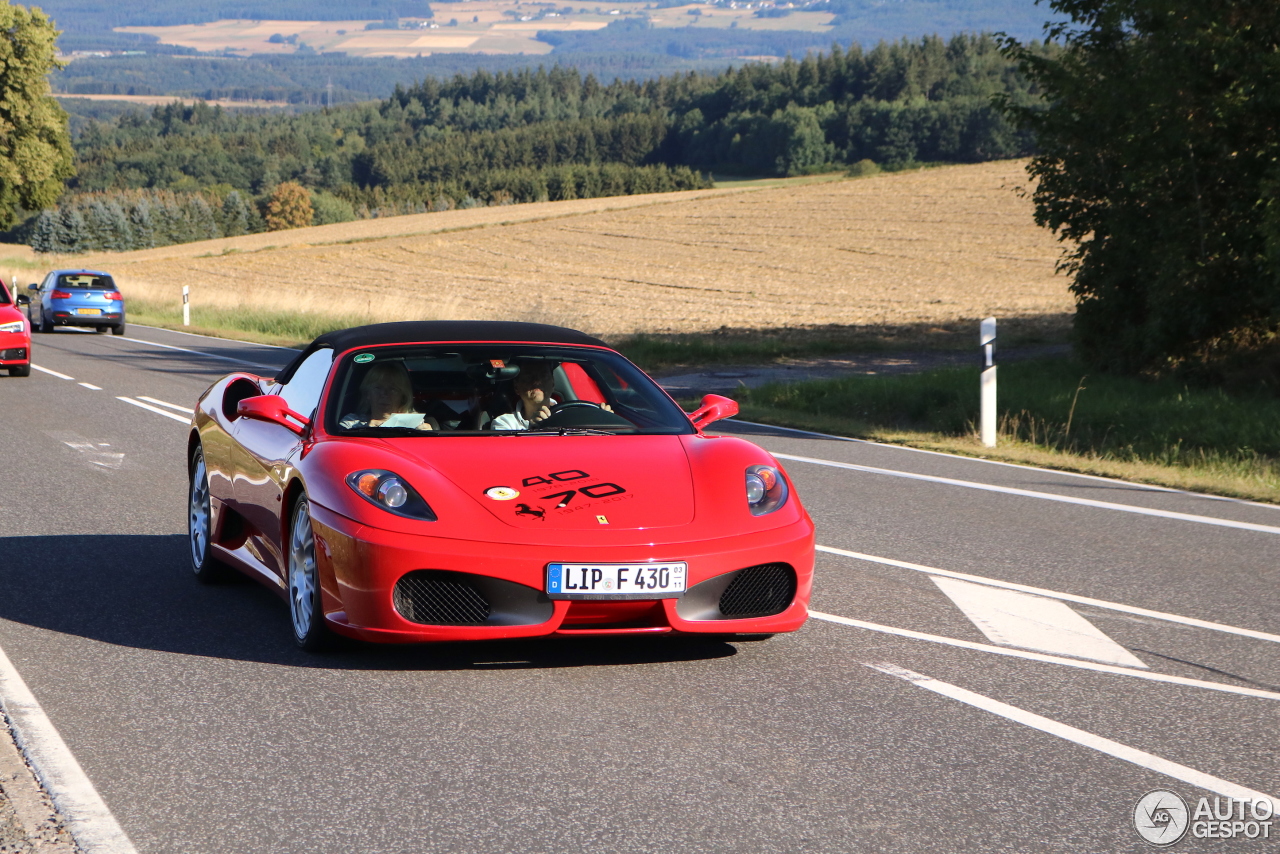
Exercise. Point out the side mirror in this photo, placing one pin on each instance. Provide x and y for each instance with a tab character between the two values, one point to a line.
22	299
33	287
272	407
713	408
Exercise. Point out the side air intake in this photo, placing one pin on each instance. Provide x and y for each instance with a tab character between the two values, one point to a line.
439	598
759	591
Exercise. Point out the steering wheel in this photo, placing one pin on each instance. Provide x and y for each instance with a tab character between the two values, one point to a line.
569	404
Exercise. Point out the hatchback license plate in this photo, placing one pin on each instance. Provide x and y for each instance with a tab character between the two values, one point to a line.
616	580
88	311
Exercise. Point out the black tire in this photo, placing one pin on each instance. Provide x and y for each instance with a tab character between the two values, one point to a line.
118	329
206	568
46	325
100	329
306	615
20	370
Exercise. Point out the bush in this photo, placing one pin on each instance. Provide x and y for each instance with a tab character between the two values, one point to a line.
328	208
289	207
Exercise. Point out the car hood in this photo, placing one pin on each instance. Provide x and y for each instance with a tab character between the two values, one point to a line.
567	482
8	314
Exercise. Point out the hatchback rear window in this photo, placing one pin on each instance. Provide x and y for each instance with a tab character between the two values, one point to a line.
87	281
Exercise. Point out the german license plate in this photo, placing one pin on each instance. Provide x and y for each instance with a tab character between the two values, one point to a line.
616	580
88	311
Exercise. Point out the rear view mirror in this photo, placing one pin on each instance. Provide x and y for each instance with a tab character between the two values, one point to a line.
23	299
272	407
713	408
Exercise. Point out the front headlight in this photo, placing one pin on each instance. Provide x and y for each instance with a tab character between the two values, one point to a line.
388	491
766	489
14	326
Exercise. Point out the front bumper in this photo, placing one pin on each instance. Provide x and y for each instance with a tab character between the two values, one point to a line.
360	566
15	348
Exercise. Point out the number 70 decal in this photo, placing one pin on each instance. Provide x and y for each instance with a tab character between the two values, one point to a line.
595	490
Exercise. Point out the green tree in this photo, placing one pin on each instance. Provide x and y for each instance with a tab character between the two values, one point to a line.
289	207
35	143
1159	166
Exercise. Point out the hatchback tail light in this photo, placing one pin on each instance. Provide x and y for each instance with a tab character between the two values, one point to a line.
60	295
116	295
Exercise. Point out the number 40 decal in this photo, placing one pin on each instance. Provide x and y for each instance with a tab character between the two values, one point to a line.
595	490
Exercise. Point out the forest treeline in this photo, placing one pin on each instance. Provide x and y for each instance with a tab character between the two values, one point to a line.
557	133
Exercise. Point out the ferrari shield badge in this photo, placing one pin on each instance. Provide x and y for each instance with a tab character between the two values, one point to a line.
502	493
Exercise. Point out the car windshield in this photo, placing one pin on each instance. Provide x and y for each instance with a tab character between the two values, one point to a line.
496	390
4	294
86	281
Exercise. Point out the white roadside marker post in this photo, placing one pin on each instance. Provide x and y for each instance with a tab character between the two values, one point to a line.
186	306
987	337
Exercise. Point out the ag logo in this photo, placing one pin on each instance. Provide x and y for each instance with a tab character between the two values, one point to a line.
1161	818
502	493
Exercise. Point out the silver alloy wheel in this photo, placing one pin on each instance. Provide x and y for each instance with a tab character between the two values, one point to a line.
198	517
302	571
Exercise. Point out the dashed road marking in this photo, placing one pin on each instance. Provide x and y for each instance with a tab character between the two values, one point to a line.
185	409
91	386
1045	496
51	373
1077	736
1033	622
1053	594
1078	663
157	410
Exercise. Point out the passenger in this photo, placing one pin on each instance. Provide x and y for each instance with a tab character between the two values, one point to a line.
386	400
533	386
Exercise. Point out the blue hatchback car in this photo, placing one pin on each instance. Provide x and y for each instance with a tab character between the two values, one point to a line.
77	298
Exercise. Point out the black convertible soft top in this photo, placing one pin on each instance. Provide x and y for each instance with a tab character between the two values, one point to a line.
428	331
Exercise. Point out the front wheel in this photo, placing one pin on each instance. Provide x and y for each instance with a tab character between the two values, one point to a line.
309	630
204	565
20	370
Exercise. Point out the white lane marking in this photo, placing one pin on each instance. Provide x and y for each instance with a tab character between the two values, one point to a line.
163	403
213	337
1077	736
94	452
1079	664
1046	496
984	461
1053	594
199	353
157	410
91	386
1033	622
91	823
51	373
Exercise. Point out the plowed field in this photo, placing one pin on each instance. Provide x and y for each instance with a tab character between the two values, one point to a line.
932	246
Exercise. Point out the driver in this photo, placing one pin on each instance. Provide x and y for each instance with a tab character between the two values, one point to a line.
533	386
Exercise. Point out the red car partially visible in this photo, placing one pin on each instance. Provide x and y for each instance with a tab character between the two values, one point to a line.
15	335
387	487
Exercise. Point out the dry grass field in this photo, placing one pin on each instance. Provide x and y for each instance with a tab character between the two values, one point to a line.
934	246
482	26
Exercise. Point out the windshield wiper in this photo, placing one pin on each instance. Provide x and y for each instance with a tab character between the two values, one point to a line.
567	431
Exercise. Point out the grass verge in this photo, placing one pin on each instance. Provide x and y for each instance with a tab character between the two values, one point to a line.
281	328
1053	414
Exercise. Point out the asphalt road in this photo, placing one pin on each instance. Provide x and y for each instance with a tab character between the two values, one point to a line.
902	728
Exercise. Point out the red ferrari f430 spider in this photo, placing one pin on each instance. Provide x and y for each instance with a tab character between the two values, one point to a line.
432	481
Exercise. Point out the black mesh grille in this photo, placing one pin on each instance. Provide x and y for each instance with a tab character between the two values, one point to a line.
435	597
759	591
15	353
